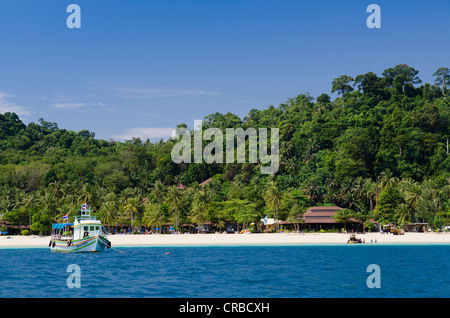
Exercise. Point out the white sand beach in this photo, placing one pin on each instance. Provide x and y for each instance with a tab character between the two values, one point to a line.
238	239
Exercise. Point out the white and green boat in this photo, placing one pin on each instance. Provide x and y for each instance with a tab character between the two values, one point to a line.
86	234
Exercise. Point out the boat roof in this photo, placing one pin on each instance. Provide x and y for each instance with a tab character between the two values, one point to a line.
88	221
60	226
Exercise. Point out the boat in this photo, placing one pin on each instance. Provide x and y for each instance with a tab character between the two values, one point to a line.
86	234
354	240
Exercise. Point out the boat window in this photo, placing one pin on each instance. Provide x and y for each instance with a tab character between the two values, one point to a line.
86	228
92	227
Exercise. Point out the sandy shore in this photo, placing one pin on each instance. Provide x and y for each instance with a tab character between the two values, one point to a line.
238	239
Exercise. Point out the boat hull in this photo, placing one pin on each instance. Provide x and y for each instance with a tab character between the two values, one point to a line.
95	243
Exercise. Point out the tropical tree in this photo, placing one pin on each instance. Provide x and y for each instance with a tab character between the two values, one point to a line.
235	190
29	204
429	205
343	216
370	189
152	215
246	212
387	179
88	194
296	215
313	189
309	154
341	85
175	202
358	190
159	190
403	214
200	206
131	209
411	191
108	213
442	78
272	197
47	203
401	75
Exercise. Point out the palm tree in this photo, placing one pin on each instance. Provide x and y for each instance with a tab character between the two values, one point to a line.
88	194
387	179
175	201
235	191
108	213
358	189
47	203
370	192
428	204
6	202
159	190
309	154
313	189
29	203
403	213
56	190
131	208
200	208
152	216
272	197
332	186
411	192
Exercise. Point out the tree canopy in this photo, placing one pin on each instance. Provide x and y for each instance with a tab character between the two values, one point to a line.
385	154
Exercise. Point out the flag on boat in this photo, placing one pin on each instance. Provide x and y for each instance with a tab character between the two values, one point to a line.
65	217
84	206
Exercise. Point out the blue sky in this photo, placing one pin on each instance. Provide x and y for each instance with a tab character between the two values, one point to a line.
139	68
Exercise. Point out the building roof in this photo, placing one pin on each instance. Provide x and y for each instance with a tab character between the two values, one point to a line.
322	214
205	182
12	226
324	209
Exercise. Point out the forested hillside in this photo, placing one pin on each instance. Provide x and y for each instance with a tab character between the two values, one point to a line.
381	149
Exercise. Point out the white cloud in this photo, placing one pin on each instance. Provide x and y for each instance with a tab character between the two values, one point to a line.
147	93
7	106
150	114
68	105
79	105
145	132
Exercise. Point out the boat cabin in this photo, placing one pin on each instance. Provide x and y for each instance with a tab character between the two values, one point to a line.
87	225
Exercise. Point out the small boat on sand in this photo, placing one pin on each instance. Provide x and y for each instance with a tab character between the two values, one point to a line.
86	234
354	240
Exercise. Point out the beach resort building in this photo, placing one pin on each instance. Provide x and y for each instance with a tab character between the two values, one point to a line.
322	217
315	219
8	228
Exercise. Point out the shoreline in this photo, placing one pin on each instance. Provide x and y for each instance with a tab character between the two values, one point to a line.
256	239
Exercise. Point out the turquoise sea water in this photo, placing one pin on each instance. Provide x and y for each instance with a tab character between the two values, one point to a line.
233	271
